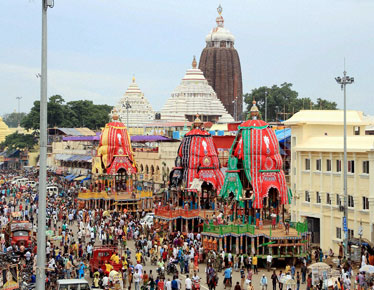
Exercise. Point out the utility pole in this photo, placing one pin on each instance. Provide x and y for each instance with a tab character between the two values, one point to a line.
127	106
343	82
41	243
266	105
19	110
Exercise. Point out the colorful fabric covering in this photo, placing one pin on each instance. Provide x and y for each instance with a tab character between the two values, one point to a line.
115	142
258	148
199	159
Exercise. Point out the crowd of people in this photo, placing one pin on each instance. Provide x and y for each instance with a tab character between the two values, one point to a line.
75	233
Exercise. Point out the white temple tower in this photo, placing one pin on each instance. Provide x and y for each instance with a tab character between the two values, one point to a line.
194	96
134	109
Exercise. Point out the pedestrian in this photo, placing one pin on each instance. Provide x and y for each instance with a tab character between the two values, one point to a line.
269	260
274	280
188	283
264	282
237	286
297	280
137	279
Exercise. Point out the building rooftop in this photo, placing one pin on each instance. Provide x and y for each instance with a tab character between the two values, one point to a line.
327	117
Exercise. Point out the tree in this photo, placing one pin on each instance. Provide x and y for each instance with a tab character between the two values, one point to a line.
283	102
73	114
13	119
20	141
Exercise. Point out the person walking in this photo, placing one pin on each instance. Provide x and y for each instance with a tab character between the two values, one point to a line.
264	282
297	281
137	279
274	280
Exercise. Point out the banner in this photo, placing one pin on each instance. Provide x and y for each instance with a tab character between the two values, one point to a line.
9	278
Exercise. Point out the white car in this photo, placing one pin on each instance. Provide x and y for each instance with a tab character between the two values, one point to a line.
147	220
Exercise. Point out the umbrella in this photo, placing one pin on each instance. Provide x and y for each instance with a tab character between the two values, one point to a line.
49	233
367	269
320	266
287	280
106	213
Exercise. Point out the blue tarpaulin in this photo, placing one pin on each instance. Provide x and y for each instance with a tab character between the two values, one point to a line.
70	177
283	134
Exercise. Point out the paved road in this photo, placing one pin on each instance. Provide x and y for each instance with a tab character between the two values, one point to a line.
236	276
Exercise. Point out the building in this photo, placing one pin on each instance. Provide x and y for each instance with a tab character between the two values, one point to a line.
317	175
4	130
155	156
220	64
194	96
134	109
70	151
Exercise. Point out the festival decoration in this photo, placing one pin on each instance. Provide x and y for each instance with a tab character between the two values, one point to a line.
256	148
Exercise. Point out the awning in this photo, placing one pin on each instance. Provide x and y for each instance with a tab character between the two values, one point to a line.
63	157
88	177
80	158
80	177
70	177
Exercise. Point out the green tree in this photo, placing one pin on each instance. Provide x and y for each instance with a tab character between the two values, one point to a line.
82	113
17	140
13	119
283	102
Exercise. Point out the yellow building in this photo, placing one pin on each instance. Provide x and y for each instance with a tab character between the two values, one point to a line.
317	175
4	130
154	160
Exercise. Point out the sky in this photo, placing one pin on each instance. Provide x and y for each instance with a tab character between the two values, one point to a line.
96	46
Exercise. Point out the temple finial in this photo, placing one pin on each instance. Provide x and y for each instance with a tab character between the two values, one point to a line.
219	9
194	63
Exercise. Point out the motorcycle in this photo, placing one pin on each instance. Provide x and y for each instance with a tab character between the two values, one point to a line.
171	269
196	285
161	272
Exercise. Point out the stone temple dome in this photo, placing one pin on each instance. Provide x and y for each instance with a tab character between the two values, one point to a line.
140	111
220	63
220	36
194	96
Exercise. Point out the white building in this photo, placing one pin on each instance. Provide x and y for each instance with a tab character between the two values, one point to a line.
139	111
194	96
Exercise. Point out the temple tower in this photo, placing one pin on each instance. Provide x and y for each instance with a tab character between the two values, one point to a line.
220	64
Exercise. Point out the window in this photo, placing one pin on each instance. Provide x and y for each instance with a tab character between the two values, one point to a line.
351	202
338	200
328	165
356	130
338	166
350	234
328	198
307	164
365	202
307	196
318	165
351	166
318	197
365	167
338	233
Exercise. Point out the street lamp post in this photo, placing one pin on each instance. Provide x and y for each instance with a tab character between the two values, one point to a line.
19	110
346	80
127	106
266	106
40	264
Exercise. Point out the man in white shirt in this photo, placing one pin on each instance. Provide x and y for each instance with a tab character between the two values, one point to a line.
168	284
269	260
105	281
137	279
188	283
